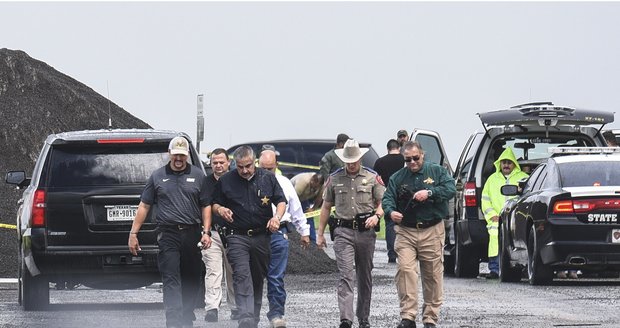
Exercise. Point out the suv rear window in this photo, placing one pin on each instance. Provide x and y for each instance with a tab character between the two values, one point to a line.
72	166
538	148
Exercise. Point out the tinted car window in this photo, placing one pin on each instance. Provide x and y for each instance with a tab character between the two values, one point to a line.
540	180
532	179
104	165
314	153
580	174
432	149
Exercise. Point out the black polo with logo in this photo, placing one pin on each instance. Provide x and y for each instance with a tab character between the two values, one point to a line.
178	197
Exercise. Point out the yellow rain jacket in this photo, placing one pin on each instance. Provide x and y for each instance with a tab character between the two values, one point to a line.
492	198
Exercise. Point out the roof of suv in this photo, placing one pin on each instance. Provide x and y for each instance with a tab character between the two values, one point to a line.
296	141
116	133
545	113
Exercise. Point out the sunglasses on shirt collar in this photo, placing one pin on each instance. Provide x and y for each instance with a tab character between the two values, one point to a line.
412	159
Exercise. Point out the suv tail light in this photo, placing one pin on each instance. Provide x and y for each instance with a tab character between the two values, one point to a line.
120	141
470	194
38	209
585	205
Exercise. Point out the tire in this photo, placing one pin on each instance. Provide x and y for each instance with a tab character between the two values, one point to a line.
448	264
35	291
19	274
466	264
506	272
537	272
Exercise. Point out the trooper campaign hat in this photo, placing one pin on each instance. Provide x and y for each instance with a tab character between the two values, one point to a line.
351	152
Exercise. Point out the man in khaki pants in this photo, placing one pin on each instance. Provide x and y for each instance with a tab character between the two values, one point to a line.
416	199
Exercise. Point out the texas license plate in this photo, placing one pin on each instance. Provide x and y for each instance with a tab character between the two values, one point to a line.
615	235
121	212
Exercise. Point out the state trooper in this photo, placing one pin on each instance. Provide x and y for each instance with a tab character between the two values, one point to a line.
356	193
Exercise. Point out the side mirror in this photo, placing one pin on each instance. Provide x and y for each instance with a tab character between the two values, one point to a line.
510	190
17	178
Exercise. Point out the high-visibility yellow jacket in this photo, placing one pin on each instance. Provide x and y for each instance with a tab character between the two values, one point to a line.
492	198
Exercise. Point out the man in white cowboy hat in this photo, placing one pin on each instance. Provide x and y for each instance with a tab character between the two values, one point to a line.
356	193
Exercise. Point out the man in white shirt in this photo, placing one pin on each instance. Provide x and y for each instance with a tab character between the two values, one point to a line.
279	242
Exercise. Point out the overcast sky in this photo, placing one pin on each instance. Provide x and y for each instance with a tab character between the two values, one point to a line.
312	70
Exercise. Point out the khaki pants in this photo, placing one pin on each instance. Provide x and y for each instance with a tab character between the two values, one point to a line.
426	246
217	267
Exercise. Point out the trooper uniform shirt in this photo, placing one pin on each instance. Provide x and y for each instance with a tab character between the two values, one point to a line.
353	195
250	200
174	195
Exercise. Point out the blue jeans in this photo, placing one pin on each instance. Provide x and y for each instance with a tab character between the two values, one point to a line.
312	231
390	236
275	274
494	264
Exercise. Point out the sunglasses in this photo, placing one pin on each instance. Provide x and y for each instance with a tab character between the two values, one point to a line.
412	159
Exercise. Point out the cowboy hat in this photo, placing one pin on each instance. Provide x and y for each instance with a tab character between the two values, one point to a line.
351	152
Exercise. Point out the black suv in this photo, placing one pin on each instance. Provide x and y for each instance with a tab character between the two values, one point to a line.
529	129
75	215
303	155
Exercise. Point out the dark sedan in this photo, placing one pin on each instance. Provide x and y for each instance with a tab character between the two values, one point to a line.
565	217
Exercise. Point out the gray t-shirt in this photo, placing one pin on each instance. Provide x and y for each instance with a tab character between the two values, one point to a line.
178	197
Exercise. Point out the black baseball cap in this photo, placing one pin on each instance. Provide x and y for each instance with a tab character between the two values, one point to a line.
402	133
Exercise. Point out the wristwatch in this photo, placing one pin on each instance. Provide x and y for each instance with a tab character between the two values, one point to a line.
430	192
207	232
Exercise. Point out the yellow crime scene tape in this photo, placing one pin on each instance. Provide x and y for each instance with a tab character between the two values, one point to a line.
303	166
317	213
8	226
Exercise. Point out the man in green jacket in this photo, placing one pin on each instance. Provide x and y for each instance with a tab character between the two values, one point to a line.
330	161
507	171
416	200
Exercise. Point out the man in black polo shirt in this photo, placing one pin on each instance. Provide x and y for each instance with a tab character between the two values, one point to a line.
243	199
386	166
179	191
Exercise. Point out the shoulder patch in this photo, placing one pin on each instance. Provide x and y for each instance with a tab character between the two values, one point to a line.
370	170
337	171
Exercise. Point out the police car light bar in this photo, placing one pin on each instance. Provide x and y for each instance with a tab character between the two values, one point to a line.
584	150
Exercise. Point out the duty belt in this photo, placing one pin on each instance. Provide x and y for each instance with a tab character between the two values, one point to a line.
355	224
247	232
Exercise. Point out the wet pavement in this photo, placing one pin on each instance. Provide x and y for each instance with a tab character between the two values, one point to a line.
312	303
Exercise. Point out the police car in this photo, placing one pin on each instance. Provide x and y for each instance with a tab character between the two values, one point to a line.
565	216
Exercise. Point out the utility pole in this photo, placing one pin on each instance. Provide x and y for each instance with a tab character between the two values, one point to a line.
200	123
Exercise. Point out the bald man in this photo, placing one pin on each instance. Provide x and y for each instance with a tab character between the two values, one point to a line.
279	241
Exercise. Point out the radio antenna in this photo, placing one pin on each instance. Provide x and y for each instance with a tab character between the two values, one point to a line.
109	107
